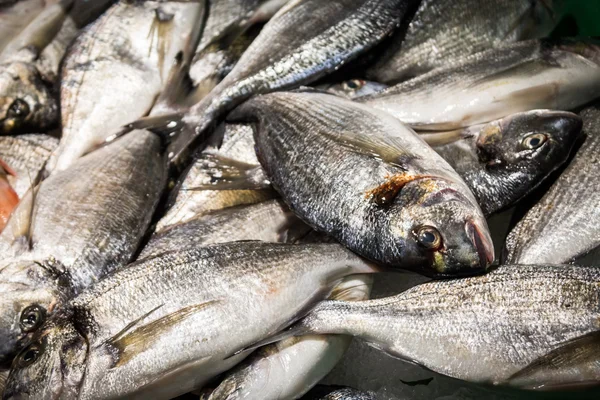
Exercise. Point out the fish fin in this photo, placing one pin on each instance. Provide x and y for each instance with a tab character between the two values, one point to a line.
292	331
229	174
385	193
6	168
161	28
350	293
292	230
583	349
128	343
443	138
166	127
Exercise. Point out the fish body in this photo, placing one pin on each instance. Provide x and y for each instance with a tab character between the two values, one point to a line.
363	177
443	33
83	223
504	160
563	225
537	74
195	308
510	326
125	54
336	393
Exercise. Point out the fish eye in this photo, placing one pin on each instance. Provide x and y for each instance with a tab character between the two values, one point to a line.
19	109
354	84
429	237
534	141
32	317
29	355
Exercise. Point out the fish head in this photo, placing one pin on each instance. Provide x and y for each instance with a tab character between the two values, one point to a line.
52	364
529	144
354	88
30	292
441	231
26	102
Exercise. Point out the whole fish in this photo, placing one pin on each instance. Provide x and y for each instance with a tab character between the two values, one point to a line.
326	393
26	155
126	54
294	48
363	177
530	326
229	158
81	224
288	369
537	74
8	197
193	310
269	221
354	88
564	224
443	33
504	160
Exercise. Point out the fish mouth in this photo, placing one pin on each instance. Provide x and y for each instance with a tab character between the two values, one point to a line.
483	245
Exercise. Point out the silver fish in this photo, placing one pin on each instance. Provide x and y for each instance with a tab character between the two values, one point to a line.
269	221
354	88
194	309
231	143
288	369
443	32
564	224
324	393
26	155
504	160
83	223
126	54
537	74
366	179
529	326
345	29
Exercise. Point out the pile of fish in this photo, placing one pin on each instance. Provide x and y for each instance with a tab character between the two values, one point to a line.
196	196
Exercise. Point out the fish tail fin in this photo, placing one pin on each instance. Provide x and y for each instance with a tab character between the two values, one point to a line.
229	174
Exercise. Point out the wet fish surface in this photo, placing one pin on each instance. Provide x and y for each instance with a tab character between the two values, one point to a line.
504	160
442	33
354	88
536	74
370	182
187	325
61	244
563	225
333	393
519	325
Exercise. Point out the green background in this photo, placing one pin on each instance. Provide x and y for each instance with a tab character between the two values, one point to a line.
581	18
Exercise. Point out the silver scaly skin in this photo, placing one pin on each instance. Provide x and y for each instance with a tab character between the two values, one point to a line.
126	54
536	74
77	231
288	369
26	155
194	309
444	32
303	42
363	177
504	160
565	223
339	394
530	326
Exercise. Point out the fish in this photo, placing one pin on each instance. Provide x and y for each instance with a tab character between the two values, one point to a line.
269	221
15	16
3	378
504	160
353	88
73	229
199	191
537	74
26	155
563	226
194	309
8	197
335	393
288	369
361	176
519	325
140	41
344	30
443	33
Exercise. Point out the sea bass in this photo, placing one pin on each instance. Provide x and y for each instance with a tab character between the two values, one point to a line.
537	74
194	309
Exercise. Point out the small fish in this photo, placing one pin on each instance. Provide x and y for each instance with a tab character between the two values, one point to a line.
536	74
199	192
8	197
504	160
288	369
528	326
333	393
444	32
74	228
193	310
363	177
565	223
26	155
354	88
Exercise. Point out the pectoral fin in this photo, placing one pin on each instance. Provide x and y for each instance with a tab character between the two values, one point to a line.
229	174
